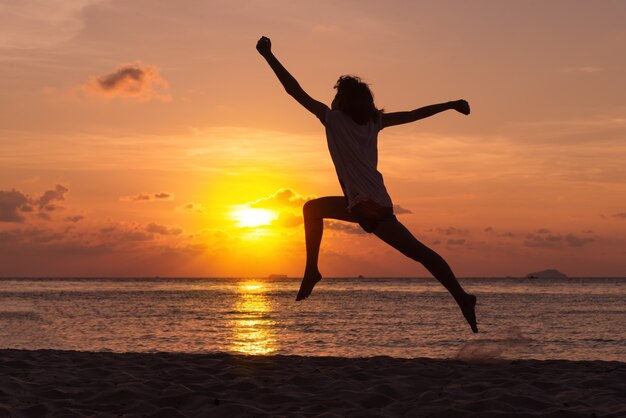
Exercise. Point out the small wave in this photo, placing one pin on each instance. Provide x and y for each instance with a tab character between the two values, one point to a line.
486	350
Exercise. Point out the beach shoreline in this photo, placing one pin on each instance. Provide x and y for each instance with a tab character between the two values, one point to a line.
75	383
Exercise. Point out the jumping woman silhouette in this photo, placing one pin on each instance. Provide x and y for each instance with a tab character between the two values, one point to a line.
352	124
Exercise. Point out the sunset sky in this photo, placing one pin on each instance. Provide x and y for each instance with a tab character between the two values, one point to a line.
143	138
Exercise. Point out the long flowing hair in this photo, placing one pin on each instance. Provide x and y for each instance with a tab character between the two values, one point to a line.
355	98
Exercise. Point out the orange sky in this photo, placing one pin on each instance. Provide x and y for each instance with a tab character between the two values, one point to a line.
142	138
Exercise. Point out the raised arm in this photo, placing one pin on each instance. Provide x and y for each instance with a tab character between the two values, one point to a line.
291	85
398	118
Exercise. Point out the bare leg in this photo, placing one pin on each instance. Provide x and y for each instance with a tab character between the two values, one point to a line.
400	238
315	211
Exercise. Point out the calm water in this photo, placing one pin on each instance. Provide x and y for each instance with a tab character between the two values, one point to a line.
572	319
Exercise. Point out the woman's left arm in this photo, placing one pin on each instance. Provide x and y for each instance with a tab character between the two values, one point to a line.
398	118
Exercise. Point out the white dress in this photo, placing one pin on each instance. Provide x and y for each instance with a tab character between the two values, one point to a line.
354	151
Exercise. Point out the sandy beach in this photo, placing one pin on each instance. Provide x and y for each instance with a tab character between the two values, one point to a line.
48	383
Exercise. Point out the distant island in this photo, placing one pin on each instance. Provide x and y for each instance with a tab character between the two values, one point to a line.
547	274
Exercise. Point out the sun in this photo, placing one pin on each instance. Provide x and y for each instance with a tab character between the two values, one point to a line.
248	217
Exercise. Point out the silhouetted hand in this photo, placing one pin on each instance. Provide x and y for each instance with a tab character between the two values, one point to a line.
461	106
264	46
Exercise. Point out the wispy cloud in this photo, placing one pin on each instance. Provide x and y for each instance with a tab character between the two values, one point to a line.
192	207
554	241
576	241
148	197
456	241
137	81
451	230
99	239
583	69
162	229
348	228
493	232
39	24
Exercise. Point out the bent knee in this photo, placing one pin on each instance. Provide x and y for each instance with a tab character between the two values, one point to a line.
309	208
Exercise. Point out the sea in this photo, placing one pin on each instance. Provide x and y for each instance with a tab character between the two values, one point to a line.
518	318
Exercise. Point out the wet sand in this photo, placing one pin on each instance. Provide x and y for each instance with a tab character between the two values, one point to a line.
48	383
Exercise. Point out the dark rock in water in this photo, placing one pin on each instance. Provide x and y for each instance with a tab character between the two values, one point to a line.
546	274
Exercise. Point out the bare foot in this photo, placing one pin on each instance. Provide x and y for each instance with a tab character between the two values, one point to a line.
308	283
468	307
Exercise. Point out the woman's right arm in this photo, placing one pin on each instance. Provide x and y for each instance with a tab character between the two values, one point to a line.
291	85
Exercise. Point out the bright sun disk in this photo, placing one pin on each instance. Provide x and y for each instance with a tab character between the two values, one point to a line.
253	217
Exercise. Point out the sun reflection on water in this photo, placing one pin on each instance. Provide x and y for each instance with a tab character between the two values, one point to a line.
253	327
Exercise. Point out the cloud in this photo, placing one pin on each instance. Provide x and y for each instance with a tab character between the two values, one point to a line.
57	245
491	230
35	236
547	240
452	231
15	204
45	202
621	215
575	241
348	228
456	242
135	235
75	218
136	81
281	199
38	241
148	197
506	235
11	204
399	210
284	201
136	198
131	236
192	207
288	220
162	230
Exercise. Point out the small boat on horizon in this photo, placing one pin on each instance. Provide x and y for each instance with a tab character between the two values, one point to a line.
277	276
547	274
